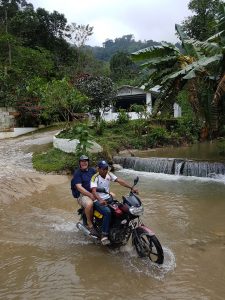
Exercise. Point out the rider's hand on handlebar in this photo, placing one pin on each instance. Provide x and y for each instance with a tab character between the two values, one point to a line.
134	190
102	202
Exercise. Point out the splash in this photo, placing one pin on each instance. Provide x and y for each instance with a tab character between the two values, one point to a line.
143	266
217	178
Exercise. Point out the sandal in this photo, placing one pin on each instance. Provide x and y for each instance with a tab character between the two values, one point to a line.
105	240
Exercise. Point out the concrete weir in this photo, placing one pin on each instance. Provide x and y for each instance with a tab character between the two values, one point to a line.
173	166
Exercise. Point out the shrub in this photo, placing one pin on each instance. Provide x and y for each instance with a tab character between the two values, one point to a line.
123	117
221	146
188	128
100	127
139	127
157	137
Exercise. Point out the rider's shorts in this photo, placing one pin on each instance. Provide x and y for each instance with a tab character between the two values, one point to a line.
84	200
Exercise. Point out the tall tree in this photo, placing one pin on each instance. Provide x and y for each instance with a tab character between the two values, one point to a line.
100	91
61	100
121	66
201	25
79	35
7	10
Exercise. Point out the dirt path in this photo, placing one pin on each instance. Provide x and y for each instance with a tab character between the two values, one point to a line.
17	176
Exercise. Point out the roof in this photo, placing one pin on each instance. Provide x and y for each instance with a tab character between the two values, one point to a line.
132	90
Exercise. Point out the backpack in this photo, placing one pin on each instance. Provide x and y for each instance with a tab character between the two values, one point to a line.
74	189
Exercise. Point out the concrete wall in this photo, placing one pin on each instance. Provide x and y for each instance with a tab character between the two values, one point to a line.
8	122
16	132
7	119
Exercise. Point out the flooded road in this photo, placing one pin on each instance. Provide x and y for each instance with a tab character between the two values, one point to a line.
43	256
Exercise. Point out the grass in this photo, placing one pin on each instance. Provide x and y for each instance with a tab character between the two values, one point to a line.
113	137
54	160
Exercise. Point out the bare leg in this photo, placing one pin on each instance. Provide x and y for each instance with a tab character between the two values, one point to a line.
89	214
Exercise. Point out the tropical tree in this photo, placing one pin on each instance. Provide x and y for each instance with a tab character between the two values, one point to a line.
121	66
60	100
85	139
200	69
100	91
202	24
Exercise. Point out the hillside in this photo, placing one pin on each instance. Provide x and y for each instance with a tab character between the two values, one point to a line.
125	43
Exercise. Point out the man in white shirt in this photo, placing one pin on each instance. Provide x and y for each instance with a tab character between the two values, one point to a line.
102	180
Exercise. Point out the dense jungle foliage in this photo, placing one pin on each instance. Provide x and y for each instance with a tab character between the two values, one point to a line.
49	73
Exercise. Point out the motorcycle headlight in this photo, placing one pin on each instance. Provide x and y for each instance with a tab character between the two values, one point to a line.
136	211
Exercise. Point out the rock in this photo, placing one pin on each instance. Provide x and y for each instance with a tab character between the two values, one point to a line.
117	167
69	146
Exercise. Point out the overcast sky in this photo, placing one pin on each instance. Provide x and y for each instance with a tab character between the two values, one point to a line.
145	19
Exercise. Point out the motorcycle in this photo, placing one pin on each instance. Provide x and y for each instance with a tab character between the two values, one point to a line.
126	223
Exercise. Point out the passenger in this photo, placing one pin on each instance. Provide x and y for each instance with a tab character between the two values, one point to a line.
102	180
80	185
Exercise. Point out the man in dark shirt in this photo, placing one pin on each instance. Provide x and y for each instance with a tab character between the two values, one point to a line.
80	185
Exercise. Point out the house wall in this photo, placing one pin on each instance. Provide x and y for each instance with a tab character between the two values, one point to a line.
110	116
132	91
149	102
176	110
126	91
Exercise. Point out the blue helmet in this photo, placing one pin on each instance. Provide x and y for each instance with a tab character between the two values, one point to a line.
102	164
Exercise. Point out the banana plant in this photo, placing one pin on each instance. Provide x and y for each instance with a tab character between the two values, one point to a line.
198	62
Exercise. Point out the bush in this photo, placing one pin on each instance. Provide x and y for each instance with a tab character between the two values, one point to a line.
188	129
100	127
221	146
123	117
139	127
157	137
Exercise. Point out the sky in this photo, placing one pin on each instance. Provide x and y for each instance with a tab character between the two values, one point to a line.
145	19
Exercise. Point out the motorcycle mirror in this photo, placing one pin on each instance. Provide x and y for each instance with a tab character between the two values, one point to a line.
136	180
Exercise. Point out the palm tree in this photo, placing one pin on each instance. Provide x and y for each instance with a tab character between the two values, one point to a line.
199	64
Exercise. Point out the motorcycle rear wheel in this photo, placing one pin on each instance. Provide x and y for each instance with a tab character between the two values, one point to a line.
149	246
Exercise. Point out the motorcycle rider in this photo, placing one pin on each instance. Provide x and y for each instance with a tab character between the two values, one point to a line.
102	180
80	185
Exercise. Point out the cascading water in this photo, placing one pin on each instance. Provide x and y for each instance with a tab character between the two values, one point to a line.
172	166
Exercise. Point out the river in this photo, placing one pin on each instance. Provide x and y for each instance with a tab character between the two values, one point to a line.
43	256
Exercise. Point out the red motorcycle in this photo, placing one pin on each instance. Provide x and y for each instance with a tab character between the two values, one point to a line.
126	223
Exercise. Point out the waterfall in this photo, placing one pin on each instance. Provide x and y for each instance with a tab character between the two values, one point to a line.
171	166
178	166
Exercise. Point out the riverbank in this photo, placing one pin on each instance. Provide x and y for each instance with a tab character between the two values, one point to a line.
42	253
64	163
114	137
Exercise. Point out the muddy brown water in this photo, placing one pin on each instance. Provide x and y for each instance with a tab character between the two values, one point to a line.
43	256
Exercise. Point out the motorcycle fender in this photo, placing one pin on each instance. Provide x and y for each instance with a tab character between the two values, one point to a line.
142	229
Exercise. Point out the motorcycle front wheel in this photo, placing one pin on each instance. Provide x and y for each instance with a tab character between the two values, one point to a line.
149	246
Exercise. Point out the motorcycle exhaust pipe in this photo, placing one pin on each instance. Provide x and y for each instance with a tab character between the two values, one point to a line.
84	229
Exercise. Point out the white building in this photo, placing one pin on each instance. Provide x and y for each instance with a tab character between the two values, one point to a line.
129	95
